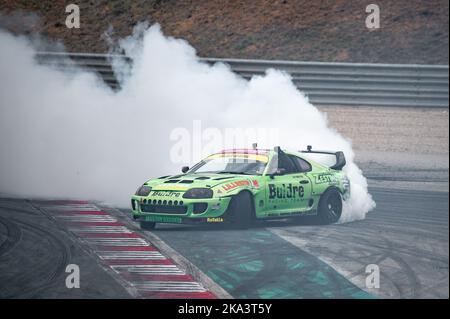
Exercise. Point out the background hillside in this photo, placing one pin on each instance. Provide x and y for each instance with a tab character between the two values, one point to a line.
411	31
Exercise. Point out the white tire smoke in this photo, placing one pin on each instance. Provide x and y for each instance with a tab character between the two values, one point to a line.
68	135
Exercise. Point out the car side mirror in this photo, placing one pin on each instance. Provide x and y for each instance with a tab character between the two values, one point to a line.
184	169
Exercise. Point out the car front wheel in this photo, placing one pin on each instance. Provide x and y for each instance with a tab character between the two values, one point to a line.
241	210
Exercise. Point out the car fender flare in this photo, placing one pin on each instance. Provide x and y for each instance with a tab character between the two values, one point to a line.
252	196
330	188
246	190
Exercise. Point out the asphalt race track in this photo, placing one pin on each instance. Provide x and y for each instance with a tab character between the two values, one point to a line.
34	253
406	236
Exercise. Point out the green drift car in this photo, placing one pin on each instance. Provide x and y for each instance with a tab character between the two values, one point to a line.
241	185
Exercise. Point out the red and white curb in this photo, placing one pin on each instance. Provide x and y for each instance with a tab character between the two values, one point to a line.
124	251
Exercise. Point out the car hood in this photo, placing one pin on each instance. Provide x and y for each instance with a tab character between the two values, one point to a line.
186	181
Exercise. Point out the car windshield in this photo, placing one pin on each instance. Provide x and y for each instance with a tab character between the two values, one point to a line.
248	164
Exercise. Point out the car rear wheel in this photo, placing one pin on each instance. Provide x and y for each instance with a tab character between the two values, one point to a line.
241	210
147	225
330	207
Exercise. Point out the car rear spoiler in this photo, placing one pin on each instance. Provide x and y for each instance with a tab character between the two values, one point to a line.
340	157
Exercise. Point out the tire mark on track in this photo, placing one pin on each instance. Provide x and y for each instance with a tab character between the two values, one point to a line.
18	210
372	246
414	282
13	236
54	267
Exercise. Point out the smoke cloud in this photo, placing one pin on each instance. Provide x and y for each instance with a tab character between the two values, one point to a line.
68	135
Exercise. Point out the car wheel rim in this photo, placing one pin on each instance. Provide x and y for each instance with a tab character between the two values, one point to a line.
333	207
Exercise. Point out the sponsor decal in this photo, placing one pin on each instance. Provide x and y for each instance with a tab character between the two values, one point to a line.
325	178
163	219
255	183
286	191
214	219
165	194
233	185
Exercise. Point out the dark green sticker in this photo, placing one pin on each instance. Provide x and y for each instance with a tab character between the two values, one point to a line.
163	219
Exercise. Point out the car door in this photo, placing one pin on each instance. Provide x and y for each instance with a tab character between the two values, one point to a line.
289	192
305	181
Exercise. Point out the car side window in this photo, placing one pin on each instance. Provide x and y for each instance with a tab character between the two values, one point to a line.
301	164
287	163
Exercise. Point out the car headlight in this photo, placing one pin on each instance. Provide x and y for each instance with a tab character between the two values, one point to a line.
198	193
143	190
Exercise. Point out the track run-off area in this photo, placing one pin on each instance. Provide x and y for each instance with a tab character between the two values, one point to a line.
406	236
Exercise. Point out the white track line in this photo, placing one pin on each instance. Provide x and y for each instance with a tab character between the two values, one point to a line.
101	229
88	218
117	241
149	269
80	208
170	286
144	255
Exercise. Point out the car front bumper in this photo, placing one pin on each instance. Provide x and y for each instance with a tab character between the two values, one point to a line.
182	211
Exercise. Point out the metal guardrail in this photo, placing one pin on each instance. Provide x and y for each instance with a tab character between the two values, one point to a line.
323	82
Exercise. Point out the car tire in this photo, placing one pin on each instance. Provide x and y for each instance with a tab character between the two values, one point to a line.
241	210
147	225
330	207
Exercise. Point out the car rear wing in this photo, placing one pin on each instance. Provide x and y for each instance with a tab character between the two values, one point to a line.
333	160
